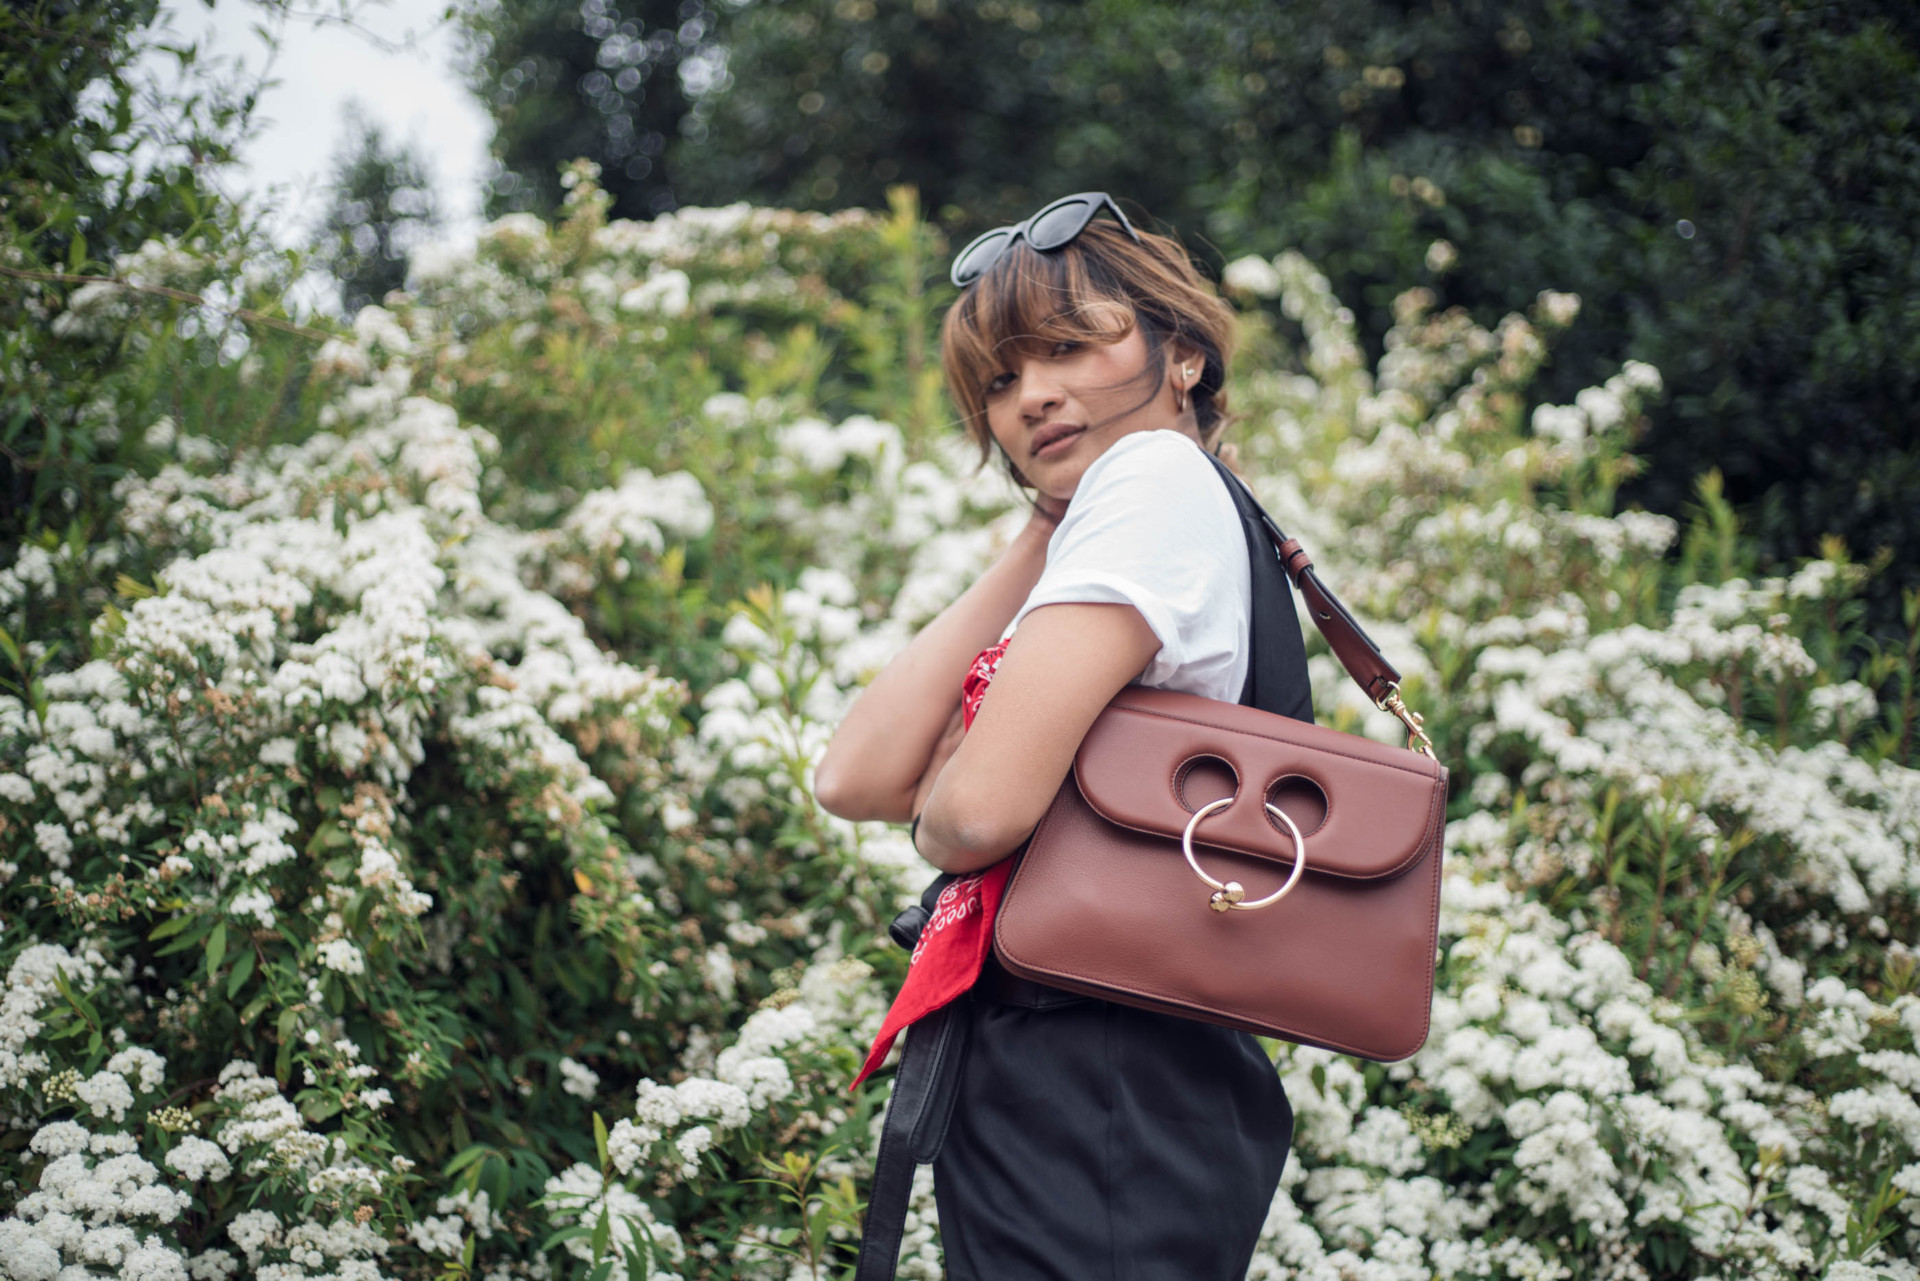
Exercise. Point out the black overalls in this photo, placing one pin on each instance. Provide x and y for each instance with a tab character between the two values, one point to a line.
1092	1141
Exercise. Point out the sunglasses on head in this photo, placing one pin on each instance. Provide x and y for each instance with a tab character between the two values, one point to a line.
1056	225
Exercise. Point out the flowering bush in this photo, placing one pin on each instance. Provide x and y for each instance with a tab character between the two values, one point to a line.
410	867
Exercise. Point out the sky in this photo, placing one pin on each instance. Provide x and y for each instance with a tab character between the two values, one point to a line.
396	61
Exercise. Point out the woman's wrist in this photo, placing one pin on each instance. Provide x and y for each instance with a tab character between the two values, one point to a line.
1034	536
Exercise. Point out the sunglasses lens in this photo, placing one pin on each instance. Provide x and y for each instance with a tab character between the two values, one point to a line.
980	255
1060	224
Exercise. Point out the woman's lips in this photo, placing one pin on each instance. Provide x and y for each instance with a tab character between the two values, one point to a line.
1059	444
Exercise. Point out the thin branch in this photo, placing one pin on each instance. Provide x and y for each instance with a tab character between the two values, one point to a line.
247	314
409	42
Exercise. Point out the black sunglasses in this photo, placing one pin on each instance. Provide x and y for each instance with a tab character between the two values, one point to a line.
1056	225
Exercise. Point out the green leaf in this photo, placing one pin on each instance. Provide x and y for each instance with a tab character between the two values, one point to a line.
600	1140
170	927
327	836
817	1225
318	1110
463	1159
77	252
216	948
563	1236
602	1233
79	1003
189	939
242	971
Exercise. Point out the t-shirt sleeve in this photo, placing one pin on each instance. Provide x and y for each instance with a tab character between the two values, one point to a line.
1152	526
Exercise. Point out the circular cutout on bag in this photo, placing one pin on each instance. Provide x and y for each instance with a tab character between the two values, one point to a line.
1301	799
1202	779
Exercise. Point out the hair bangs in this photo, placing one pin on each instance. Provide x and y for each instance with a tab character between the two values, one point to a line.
1096	289
1022	305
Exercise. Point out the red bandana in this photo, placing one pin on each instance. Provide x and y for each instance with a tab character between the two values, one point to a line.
954	944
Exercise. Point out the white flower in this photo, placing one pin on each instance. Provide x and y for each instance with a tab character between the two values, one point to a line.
55	842
106	1095
60	1138
341	955
255	903
578	1079
690	1146
438	1236
198	1159
1252	275
140	1066
1560	309
665	293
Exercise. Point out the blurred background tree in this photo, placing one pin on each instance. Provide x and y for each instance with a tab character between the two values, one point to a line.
93	164
1733	186
612	80
380	208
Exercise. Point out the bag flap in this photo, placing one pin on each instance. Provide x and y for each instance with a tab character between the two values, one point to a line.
1367	810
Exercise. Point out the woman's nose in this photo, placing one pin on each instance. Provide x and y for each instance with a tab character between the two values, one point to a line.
1040	394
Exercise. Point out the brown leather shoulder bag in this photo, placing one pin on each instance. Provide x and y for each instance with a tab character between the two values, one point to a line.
1223	863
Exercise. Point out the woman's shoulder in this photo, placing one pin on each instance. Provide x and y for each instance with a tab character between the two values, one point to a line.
1164	470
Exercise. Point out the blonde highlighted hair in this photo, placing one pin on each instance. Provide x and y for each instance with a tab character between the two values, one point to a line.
1092	290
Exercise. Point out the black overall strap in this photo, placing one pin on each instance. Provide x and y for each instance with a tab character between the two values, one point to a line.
924	1088
1277	655
1371	670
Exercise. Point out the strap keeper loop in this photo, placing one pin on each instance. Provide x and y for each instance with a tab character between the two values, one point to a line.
1294	558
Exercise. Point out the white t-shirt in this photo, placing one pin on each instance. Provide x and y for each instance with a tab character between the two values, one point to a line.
1152	526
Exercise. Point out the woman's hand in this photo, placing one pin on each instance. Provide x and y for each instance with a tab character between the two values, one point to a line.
1047	511
943	749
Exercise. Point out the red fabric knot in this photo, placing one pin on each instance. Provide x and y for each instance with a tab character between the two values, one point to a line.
953	946
974	688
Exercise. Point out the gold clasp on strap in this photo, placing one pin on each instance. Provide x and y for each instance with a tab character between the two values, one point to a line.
1229	896
1417	739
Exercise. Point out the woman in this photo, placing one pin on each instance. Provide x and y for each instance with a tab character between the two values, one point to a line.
1087	1139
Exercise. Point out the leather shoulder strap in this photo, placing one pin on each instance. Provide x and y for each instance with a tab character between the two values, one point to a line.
1356	651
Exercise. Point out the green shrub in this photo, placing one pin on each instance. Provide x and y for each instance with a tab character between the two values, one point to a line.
410	866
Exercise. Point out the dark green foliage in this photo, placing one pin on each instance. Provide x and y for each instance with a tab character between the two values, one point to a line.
88	170
381	206
600	79
1732	188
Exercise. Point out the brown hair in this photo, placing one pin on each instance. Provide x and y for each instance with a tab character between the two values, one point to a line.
1094	289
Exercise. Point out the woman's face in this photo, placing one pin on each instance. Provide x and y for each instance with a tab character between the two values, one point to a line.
1055	412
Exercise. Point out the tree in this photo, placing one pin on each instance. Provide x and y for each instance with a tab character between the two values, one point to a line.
90	169
603	79
1733	188
380	207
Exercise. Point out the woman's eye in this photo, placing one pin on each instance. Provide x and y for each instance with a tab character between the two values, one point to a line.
1064	347
999	382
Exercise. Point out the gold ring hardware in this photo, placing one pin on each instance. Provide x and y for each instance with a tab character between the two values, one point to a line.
1230	896
1417	739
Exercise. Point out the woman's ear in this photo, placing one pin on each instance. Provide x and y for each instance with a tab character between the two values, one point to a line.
1186	365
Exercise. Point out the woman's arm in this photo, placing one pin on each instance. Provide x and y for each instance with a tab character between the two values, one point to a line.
1063	665
875	763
